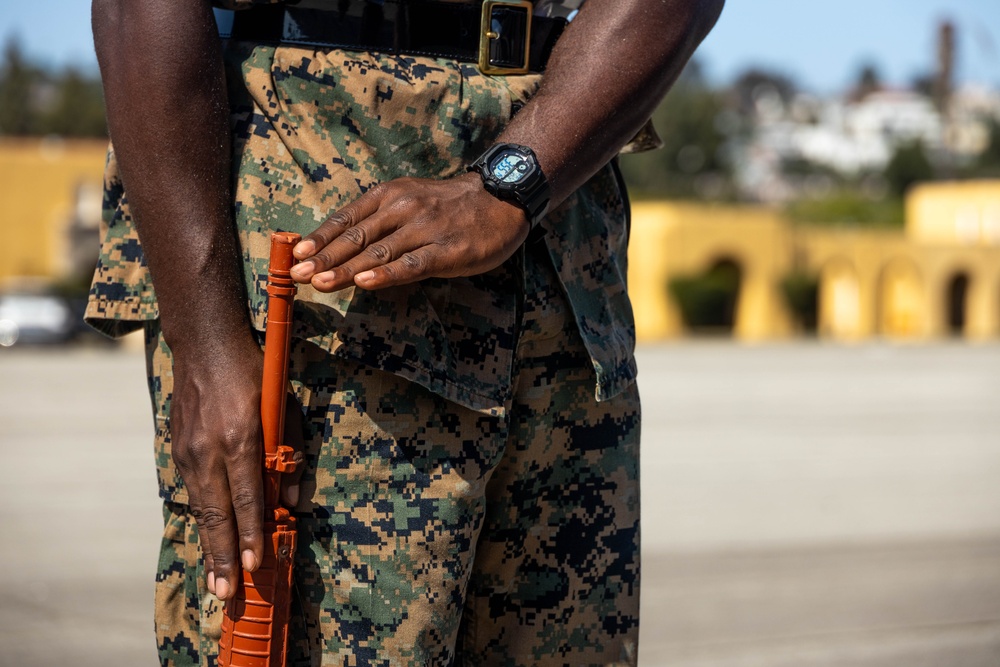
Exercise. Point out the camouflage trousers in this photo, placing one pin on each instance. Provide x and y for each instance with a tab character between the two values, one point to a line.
431	534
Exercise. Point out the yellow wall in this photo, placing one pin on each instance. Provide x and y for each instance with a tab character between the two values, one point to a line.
849	263
955	213
670	238
38	181
872	283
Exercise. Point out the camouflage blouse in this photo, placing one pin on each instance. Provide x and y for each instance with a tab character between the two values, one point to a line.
313	130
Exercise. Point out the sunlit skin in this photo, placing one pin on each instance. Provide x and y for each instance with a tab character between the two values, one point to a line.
169	120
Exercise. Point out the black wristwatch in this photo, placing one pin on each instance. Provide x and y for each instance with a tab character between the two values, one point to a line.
511	172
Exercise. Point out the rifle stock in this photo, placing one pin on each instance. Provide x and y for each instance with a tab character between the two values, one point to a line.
255	625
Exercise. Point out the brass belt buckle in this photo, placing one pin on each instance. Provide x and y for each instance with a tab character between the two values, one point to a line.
490	31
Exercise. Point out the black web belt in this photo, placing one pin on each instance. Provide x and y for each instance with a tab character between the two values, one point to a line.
502	37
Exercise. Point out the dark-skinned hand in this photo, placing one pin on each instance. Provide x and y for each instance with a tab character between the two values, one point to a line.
217	447
409	229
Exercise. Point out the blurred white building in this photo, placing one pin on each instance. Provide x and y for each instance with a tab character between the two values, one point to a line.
853	137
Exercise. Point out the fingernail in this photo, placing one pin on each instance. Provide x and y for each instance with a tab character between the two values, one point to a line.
364	276
304	249
222	589
304	269
249	560
293	495
211	582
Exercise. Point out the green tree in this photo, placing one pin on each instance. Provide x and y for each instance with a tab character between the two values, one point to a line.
691	162
868	81
908	165
987	164
77	109
708	300
17	77
801	292
749	86
847	206
34	101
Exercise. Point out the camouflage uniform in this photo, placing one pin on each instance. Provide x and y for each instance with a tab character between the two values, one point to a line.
471	492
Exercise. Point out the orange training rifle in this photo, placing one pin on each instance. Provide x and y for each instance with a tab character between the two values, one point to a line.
255	626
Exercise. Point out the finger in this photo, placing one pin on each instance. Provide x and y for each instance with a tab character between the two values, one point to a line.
246	483
295	439
394	242
290	488
206	554
352	244
424	262
336	224
217	524
194	506
204	542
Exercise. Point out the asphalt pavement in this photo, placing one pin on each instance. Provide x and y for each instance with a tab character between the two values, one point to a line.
806	505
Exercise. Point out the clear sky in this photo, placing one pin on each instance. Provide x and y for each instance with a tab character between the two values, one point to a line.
820	43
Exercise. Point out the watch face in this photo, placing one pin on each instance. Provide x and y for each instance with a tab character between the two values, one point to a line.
511	167
511	172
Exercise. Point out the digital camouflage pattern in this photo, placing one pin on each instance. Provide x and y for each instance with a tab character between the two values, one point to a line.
188	619
432	534
315	129
467	499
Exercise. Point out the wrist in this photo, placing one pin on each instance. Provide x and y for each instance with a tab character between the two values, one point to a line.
492	209
512	173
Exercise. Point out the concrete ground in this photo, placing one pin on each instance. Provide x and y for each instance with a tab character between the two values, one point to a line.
805	506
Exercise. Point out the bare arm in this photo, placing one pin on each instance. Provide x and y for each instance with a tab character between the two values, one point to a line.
608	72
169	121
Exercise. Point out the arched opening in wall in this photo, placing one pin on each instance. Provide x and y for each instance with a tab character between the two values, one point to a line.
709	301
839	301
900	300
956	302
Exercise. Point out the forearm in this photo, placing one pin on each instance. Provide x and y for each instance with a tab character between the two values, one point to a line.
606	75
169	122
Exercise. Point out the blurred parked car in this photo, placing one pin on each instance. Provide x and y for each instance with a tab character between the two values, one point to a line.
34	319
